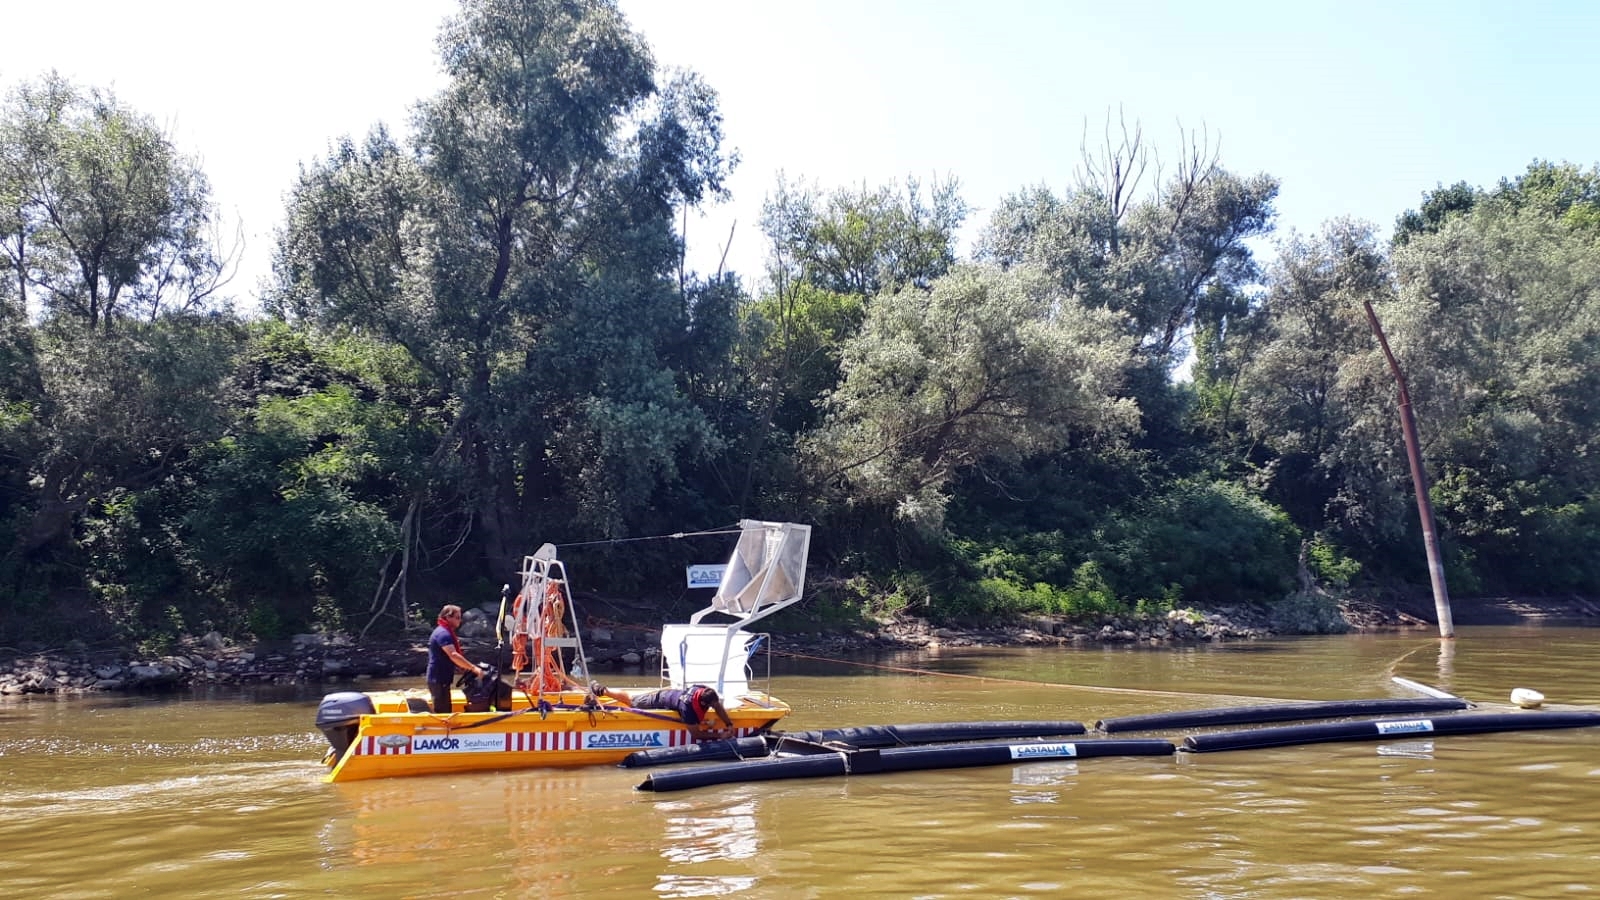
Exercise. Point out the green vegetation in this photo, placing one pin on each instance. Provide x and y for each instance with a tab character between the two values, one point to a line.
482	338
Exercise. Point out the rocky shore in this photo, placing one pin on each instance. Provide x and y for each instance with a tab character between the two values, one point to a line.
625	648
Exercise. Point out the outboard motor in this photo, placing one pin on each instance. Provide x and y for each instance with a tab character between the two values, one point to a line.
339	718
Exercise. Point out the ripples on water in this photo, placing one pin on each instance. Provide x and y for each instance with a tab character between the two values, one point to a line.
223	798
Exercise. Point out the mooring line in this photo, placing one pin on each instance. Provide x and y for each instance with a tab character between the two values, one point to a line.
674	536
1020	681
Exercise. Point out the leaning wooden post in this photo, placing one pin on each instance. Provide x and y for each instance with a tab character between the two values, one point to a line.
1419	482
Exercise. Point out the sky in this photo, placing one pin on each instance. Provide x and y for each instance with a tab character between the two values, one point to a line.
1357	107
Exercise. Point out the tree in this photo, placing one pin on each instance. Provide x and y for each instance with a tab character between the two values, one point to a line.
1437	207
985	365
102	217
1294	399
831	255
1151	257
1558	190
109	262
862	241
119	412
1498	317
522	251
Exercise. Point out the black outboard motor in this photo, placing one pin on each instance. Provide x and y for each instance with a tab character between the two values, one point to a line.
339	717
485	693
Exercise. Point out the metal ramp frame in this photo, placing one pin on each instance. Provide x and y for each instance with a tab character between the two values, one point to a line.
766	573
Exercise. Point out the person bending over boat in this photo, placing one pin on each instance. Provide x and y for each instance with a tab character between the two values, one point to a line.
445	657
691	703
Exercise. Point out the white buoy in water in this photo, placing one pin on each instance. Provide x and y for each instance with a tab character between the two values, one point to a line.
1527	698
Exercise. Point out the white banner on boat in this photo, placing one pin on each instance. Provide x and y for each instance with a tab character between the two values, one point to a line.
459	743
705	576
626	740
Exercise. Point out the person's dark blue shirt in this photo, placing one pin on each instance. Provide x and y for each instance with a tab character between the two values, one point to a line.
441	668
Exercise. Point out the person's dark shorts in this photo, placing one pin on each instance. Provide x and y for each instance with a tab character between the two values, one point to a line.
659	700
441	697
651	700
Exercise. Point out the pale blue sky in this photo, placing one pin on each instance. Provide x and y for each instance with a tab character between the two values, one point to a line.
1356	107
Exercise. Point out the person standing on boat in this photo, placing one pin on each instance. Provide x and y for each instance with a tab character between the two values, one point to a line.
691	703
445	657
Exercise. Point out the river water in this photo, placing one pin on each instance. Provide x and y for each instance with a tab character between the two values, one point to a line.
219	794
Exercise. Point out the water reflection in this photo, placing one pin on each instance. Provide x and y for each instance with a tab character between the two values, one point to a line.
1447	664
1044	773
729	833
1409	749
702	885
694	836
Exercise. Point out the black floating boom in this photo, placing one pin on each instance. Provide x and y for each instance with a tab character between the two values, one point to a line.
899	759
935	733
1373	729
1280	712
857	737
707	751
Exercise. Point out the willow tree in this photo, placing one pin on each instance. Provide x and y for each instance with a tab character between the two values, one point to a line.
830	254
1130	237
1294	383
984	367
103	218
520	247
108	247
1498	316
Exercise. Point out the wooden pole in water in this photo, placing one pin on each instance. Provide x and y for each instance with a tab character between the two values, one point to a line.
1419	483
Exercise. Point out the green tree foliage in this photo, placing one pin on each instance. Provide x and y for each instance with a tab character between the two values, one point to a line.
1118	544
864	241
1199	540
1490	307
1295	400
1437	207
484	333
522	252
109	265
1499	317
100	217
831	255
1151	257
302	503
119	411
1558	190
284	520
986	365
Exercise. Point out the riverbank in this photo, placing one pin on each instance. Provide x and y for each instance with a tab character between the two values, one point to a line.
633	649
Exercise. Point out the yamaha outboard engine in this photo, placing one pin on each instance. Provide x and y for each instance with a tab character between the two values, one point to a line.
339	717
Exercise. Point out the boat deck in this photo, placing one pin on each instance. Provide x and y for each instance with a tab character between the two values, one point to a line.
401	737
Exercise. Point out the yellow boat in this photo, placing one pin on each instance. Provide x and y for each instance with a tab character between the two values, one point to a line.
548	719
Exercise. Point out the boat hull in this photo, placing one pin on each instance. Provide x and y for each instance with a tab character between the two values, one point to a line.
392	741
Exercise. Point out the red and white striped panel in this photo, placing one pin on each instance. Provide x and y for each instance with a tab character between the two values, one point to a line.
544	741
369	746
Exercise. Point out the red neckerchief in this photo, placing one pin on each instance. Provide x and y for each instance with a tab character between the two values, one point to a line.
447	627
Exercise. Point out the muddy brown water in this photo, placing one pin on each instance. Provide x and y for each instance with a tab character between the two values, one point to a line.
218	794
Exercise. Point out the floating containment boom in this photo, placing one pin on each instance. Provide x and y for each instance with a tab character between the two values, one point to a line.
1373	729
935	733
860	736
1281	712
900	759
